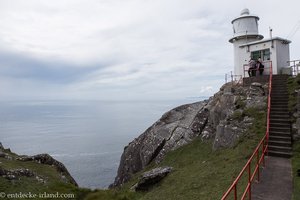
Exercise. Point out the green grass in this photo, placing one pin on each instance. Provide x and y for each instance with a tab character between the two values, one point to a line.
112	195
295	167
198	171
294	84
54	183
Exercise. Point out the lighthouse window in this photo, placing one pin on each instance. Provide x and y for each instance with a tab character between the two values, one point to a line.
255	54
264	54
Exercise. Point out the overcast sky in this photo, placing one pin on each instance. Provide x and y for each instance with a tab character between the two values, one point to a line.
126	49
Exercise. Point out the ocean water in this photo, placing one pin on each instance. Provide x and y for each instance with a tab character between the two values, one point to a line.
88	137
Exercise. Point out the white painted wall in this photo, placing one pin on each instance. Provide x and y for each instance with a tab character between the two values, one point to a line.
283	55
241	54
245	25
279	55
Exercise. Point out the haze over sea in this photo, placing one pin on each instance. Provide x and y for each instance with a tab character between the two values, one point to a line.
88	137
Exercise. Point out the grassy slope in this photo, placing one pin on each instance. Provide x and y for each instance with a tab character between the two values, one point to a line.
295	167
199	172
294	84
53	184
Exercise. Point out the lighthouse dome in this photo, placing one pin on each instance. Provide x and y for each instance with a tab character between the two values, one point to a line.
245	11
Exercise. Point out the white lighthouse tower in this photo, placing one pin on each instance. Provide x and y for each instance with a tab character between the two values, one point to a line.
245	30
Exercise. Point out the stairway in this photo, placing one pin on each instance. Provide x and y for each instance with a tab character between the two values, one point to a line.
280	140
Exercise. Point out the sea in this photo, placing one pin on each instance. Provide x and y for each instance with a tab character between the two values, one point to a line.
88	137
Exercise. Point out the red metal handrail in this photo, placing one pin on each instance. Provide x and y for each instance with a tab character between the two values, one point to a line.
259	159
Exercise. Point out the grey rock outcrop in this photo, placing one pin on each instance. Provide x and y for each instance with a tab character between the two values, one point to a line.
220	118
16	173
174	129
48	160
150	178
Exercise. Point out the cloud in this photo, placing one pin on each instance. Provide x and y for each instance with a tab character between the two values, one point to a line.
113	49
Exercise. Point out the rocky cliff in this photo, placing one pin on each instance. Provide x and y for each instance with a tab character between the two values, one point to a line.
13	167
222	119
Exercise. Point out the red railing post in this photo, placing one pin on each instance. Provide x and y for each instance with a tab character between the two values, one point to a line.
249	181
235	192
257	164
263	154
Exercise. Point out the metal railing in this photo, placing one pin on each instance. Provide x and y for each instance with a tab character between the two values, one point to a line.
230	77
294	67
259	153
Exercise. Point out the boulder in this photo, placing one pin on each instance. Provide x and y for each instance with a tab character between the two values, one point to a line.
150	178
226	135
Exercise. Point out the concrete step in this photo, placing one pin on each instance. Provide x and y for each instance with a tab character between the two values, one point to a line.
279	108
276	105
276	116
279	125
280	129
278	81
280	133
279	104
279	87
281	83
280	99
279	154
280	143
280	138
280	120
282	113
277	96
280	148
280	76
279	92
276	92
286	100
276	78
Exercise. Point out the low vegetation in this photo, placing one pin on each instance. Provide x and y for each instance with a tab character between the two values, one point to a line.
293	86
296	168
53	183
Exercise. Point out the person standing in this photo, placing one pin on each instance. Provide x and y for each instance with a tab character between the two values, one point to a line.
260	66
252	68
